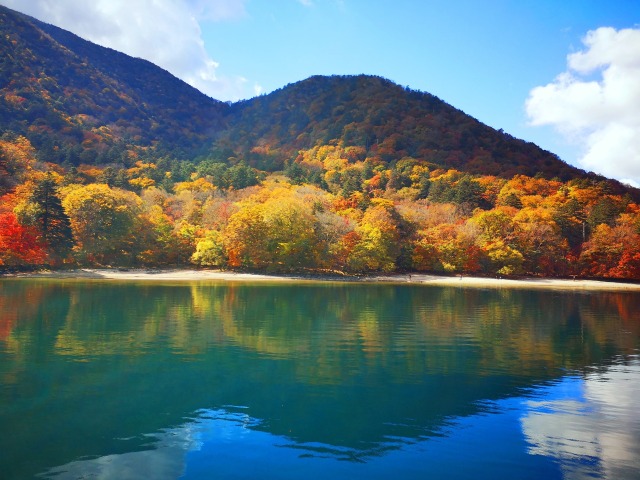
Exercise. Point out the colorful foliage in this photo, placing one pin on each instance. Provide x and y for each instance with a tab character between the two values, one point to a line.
19	244
348	173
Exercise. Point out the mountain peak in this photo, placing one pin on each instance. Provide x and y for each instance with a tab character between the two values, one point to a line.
82	103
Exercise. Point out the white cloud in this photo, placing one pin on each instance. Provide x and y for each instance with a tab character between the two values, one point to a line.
596	103
165	32
218	10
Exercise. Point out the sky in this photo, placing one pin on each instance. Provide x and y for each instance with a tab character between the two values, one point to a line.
564	74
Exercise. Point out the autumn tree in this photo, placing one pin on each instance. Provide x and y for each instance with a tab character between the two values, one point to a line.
245	238
279	233
447	248
497	239
16	158
210	250
613	251
103	221
378	245
538	238
19	244
165	243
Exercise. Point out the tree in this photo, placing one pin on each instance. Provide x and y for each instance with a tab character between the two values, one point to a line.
498	241
446	248
378	246
50	219
279	234
242	176
613	251
16	158
244	238
571	219
210	250
468	193
503	259
19	243
103	222
494	225
605	211
351	181
165	243
538	237
4	169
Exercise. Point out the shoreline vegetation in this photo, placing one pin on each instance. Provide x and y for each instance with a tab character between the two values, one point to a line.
189	275
351	174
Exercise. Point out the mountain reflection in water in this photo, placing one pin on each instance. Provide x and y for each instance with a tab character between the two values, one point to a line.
563	421
131	380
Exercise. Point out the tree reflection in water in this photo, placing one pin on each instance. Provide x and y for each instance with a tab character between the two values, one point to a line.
365	373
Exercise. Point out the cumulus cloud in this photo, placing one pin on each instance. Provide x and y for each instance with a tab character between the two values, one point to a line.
165	32
596	103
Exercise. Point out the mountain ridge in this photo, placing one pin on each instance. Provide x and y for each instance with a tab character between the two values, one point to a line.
78	102
390	120
53	78
109	160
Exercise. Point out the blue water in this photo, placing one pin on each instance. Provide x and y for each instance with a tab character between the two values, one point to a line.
117	380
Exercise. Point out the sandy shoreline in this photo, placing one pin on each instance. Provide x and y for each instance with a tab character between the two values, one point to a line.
414	278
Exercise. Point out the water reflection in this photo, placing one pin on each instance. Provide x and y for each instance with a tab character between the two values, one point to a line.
590	424
563	422
167	452
377	376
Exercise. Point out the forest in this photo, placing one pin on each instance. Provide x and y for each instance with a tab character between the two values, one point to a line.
332	208
108	160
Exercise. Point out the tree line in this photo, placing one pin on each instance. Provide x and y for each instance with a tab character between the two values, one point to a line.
331	208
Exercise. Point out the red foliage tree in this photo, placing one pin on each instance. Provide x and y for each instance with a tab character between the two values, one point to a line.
18	243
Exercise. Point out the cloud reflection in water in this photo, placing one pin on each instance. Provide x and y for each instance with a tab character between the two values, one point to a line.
587	426
592	426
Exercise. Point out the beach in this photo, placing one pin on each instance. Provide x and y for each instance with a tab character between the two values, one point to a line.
413	278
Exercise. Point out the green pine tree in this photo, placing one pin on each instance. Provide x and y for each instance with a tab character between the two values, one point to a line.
50	218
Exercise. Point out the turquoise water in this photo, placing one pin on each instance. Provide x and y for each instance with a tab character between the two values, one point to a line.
110	380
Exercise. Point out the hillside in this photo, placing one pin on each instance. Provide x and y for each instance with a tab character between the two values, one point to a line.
82	103
109	160
388	121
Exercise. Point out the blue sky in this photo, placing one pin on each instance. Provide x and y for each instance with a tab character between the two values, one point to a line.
505	62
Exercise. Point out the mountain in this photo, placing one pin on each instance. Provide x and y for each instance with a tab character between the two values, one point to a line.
82	103
386	120
76	100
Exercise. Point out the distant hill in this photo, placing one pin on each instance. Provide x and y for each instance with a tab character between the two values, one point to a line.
75	99
78	102
387	120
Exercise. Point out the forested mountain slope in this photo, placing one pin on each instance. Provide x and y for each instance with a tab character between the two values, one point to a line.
82	103
109	160
387	121
78	102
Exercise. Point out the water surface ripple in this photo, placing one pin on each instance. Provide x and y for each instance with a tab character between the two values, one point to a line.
126	380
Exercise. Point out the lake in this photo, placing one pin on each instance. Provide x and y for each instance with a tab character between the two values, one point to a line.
127	380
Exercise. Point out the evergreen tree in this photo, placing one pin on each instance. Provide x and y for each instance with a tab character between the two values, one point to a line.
605	211
50	218
571	219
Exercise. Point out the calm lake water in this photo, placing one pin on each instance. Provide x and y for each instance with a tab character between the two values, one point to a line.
109	380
